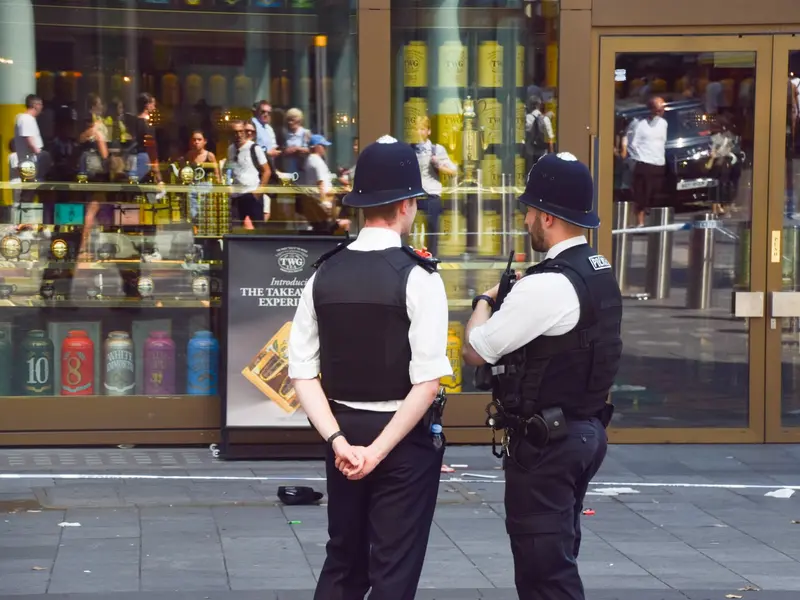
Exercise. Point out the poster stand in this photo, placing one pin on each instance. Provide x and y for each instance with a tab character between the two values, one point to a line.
263	279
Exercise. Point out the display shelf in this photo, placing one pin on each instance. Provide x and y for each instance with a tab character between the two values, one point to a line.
139	303
120	399
103	264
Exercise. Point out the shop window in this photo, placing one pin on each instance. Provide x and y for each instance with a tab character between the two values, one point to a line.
683	222
120	175
474	85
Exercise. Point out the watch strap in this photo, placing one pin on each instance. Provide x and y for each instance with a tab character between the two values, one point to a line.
476	299
335	435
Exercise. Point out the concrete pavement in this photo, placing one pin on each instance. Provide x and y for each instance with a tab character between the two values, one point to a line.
670	522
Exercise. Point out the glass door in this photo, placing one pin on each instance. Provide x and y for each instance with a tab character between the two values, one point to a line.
783	267
682	184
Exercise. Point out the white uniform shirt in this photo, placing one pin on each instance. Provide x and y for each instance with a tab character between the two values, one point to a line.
426	304
648	140
540	304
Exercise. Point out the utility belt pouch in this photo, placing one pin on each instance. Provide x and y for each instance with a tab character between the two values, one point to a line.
555	422
483	377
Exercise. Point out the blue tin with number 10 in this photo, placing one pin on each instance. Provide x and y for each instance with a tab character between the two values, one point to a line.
202	361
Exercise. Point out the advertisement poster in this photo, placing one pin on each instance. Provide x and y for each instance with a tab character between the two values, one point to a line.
264	282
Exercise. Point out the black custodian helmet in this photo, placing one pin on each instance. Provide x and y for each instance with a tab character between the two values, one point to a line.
386	171
562	186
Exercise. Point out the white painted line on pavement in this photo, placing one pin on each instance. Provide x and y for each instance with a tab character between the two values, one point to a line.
616	484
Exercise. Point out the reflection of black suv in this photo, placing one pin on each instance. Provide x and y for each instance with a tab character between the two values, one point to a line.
692	180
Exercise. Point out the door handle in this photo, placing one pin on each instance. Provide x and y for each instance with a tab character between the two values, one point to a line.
748	304
785	304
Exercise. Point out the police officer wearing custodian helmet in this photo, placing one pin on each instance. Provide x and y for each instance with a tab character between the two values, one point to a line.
554	346
372	321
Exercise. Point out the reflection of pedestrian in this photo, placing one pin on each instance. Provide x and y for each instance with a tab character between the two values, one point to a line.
144	134
539	135
433	163
202	161
317	209
559	327
373	318
647	141
28	144
249	171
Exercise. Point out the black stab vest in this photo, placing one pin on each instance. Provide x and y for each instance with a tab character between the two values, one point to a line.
360	301
575	371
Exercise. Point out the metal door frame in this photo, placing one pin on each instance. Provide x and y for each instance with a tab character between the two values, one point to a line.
775	431
762	45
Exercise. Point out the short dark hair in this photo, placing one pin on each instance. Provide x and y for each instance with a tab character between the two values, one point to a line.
31	99
142	100
534	102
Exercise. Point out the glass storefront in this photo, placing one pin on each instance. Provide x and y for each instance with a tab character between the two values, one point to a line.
474	88
134	134
690	193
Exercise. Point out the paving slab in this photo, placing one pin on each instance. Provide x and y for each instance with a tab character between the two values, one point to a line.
205	535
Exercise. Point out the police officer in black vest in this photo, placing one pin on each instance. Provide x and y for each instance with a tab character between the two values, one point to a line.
554	346
372	321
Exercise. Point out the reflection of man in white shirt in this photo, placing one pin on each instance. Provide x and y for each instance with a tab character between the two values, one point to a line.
247	177
317	208
647	139
28	141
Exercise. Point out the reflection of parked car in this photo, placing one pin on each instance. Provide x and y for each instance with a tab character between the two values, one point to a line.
693	179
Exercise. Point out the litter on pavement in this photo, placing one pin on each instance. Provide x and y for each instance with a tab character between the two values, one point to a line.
781	493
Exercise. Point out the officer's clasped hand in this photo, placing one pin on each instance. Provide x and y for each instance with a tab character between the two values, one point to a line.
347	459
367	458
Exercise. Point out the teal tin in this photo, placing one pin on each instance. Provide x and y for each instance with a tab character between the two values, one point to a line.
202	361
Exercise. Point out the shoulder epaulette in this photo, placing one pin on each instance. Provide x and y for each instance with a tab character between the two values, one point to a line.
330	253
429	263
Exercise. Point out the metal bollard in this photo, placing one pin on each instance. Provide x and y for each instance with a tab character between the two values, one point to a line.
621	250
700	283
658	270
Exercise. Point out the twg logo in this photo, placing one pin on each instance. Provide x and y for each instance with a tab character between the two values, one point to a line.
291	259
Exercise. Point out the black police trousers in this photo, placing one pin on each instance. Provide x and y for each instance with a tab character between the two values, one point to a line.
379	525
545	488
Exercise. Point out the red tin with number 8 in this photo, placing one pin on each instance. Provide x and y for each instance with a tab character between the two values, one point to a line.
77	364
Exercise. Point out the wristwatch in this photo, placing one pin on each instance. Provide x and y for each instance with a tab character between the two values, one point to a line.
476	299
334	436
